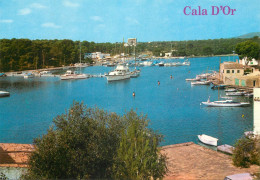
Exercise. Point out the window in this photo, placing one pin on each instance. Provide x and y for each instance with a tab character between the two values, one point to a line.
238	71
233	71
228	71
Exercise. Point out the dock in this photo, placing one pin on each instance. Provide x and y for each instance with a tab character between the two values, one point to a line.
226	148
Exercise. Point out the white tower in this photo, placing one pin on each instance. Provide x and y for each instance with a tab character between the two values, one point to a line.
257	111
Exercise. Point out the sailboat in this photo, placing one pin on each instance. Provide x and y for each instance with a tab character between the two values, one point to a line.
72	74
136	72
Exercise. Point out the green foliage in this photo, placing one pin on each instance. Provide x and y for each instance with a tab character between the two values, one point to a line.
248	49
85	143
138	156
247	151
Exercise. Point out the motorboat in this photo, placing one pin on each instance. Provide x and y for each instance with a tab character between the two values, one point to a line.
72	75
28	75
231	90
225	103
4	94
120	73
161	64
235	93
201	83
208	140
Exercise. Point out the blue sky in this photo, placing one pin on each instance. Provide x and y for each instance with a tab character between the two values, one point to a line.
111	20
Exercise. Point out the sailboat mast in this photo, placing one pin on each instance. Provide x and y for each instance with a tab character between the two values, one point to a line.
219	76
135	56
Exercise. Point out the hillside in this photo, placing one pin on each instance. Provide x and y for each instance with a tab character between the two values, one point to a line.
249	35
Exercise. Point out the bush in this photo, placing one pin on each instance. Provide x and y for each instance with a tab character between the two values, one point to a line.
247	151
86	143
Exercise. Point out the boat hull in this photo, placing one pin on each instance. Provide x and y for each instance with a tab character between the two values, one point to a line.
212	104
4	94
117	77
208	140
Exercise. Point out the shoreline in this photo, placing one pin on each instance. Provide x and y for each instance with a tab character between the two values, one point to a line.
97	63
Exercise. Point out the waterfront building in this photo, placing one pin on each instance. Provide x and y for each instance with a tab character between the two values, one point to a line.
256	111
234	73
97	55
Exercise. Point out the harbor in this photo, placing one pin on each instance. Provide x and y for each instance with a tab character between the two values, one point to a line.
173	106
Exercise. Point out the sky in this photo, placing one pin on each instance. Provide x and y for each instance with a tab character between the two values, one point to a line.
113	20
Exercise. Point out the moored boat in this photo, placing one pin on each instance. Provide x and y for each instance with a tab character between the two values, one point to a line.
225	103
4	94
201	83
230	90
208	140
72	75
120	73
235	93
28	75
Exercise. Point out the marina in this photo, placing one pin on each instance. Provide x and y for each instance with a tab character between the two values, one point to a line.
173	107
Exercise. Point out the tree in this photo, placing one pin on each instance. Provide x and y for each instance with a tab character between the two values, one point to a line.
85	143
248	50
138	156
247	151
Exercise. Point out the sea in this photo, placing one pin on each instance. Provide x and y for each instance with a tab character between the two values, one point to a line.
173	107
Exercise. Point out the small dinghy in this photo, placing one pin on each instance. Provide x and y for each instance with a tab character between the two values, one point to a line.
201	83
208	140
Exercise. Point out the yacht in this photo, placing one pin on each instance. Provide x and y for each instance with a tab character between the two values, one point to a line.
120	73
225	103
235	93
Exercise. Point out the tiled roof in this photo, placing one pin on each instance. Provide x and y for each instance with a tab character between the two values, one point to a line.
233	66
15	155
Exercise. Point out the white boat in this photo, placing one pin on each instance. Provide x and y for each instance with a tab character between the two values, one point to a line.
186	63
208	140
161	64
225	103
120	73
28	75
201	83
230	90
147	63
72	75
4	94
204	76
235	93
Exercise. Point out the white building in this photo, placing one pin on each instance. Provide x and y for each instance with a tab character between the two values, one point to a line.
257	111
168	54
244	61
96	55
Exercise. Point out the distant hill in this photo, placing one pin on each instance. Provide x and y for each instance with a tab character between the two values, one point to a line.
249	35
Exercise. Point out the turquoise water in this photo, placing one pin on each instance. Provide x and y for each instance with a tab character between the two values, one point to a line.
173	107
